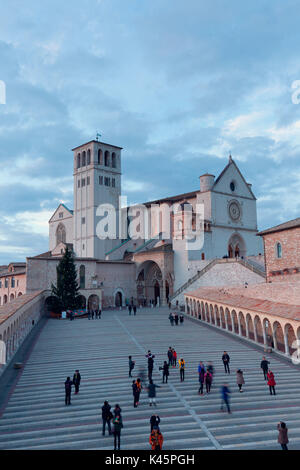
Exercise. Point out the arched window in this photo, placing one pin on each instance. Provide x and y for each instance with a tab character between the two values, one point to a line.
83	158
100	157
78	160
60	234
106	158
278	250
88	157
179	225
113	160
82	277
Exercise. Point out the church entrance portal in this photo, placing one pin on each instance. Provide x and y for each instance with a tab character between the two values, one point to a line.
118	299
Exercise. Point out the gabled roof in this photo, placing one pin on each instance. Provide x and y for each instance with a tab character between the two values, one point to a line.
232	162
60	205
279	228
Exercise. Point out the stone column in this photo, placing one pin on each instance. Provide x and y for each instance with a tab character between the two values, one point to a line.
164	298
286	344
226	321
240	326
247	328
255	332
264	335
275	339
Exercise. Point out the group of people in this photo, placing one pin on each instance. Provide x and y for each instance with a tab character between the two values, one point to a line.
116	418
94	314
68	386
205	374
175	318
155	438
132	308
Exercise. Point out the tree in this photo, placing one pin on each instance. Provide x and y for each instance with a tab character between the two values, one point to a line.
66	290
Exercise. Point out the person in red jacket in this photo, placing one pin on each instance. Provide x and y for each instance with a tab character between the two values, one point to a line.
174	358
156	439
271	382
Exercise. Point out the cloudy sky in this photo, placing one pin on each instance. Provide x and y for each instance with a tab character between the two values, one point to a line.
178	84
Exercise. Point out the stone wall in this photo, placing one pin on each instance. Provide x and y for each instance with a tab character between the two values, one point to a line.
290	243
223	274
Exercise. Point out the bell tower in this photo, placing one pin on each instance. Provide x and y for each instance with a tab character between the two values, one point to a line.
97	180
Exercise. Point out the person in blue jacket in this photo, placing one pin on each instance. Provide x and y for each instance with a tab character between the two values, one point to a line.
225	397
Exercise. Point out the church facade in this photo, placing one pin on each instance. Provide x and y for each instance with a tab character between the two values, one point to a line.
113	270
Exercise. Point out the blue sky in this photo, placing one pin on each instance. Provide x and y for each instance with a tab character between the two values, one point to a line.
178	84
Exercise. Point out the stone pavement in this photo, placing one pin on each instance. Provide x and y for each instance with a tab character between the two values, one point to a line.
36	417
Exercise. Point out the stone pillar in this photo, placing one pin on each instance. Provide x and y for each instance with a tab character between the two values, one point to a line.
275	339
255	332
240	326
164	298
226	321
264	335
286	344
247	328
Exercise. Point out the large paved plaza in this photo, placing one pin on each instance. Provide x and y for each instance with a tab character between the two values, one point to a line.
36	417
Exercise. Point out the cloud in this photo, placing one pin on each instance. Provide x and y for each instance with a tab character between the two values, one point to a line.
178	86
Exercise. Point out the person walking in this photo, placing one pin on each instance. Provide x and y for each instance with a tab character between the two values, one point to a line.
156	439
176	319
282	435
68	390
264	365
181	364
150	358
201	373
166	372
129	309
225	397
100	312
174	358
240	379
181	319
92	314
89	314
150	367
210	368
134	309
170	356
208	380
107	416
131	365
226	360
117	410
271	382
76	381
118	425
136	390
171	318
154	421
152	392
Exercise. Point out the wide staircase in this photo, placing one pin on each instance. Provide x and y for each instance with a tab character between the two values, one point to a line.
36	417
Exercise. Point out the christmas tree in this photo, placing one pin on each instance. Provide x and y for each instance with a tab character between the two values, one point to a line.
66	291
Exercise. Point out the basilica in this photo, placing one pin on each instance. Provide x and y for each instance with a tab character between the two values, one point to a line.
156	268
